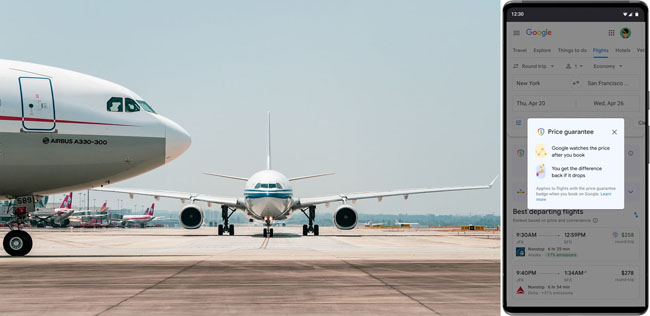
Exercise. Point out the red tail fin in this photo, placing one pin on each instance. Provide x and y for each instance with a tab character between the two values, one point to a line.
151	209
65	201
103	209
69	201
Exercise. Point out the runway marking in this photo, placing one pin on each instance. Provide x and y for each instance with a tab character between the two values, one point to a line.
392	287
265	242
154	285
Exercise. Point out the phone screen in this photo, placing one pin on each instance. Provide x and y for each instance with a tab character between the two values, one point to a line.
575	157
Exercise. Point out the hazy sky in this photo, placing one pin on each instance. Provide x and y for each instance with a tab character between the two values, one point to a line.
387	94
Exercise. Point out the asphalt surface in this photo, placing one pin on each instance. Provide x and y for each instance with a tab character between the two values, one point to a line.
174	271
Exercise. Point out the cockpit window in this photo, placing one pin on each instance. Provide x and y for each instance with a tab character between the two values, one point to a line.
277	185
114	104
265	186
132	106
146	106
271	185
257	186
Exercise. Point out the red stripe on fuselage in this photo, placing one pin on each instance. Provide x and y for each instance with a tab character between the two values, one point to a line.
31	119
137	218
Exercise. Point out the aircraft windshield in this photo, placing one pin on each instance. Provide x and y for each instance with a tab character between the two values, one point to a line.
146	106
268	186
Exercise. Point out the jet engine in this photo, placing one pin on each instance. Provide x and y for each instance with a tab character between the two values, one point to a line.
345	217
191	217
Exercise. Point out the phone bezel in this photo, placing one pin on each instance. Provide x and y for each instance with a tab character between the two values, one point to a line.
567	309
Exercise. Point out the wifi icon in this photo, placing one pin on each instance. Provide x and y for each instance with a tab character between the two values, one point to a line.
624	13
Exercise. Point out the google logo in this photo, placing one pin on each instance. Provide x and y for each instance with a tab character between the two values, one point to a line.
542	33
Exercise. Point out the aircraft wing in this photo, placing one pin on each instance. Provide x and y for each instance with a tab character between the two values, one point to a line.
183	196
303	202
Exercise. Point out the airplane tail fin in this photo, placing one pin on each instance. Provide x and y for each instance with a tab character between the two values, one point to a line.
64	203
69	205
146	212
103	209
151	209
268	144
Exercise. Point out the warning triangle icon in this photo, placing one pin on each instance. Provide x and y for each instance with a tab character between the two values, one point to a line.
520	290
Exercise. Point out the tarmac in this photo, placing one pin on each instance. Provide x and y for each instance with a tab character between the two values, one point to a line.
164	271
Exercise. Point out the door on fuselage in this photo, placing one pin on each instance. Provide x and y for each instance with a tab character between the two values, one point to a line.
37	103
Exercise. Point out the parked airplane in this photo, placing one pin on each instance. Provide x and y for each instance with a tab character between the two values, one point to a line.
55	217
79	130
139	219
88	215
268	197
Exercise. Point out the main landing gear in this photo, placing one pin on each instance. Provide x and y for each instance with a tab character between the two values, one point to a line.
225	215
17	242
311	228
268	231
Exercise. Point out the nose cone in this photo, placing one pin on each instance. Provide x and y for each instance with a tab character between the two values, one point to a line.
177	139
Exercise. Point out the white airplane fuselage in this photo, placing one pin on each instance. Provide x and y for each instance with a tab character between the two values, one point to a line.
137	219
268	196
56	215
62	131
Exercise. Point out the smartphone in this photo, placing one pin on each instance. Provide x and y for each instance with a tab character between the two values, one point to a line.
575	157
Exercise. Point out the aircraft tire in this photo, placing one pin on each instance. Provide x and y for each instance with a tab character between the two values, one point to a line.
305	230
271	232
231	229
17	243
264	233
316	230
220	230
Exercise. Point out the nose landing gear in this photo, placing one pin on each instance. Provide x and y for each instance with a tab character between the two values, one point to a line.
268	231
17	242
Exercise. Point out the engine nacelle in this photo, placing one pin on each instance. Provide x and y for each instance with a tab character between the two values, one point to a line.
345	217
191	217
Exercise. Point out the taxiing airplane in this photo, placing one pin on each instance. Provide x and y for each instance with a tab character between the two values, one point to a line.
371	224
400	224
79	130
55	217
139	219
268	196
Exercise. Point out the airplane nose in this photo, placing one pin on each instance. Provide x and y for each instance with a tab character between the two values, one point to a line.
177	140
